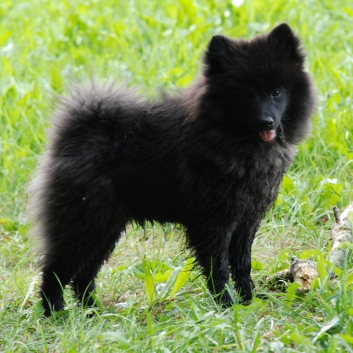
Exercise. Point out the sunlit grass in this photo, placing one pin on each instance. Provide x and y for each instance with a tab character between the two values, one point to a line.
157	44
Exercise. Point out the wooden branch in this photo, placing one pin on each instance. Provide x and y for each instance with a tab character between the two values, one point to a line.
304	271
301	271
341	233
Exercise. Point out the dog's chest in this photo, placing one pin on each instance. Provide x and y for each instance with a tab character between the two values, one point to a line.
255	180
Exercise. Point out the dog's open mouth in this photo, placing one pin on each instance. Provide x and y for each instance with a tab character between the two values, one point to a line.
267	136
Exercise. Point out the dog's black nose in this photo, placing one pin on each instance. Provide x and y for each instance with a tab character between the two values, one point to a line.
267	122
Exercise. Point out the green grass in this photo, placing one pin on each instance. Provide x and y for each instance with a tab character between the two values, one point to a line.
43	44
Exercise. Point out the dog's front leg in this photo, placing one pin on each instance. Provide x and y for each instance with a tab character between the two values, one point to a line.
211	252
240	259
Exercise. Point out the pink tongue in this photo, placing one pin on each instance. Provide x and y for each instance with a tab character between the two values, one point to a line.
267	136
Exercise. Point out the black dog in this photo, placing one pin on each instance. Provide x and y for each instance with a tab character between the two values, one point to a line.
210	158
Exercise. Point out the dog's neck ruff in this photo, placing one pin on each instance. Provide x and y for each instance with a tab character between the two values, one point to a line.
281	136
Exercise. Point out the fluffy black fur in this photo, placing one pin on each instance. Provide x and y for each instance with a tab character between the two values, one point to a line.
210	158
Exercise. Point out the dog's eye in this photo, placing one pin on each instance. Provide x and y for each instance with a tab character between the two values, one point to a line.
245	97
276	93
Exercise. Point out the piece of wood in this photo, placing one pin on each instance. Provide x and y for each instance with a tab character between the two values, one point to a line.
303	272
341	233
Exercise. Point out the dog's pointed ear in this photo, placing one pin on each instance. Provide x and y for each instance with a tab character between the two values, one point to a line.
282	31
219	44
286	43
218	53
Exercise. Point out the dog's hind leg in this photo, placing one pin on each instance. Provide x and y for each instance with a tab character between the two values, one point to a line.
56	273
79	233
211	252
83	283
59	268
76	263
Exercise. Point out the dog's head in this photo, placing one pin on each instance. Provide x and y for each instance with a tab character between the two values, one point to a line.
253	86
